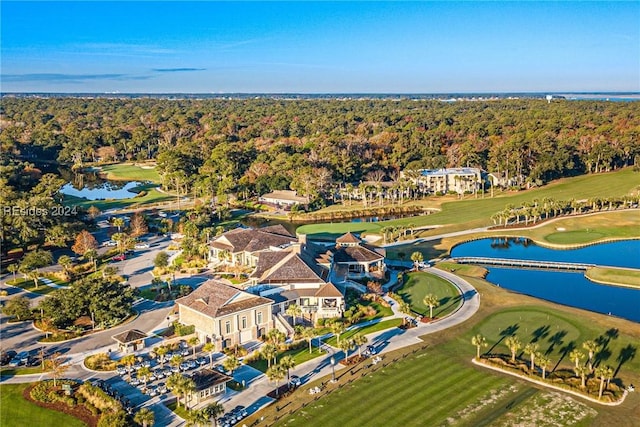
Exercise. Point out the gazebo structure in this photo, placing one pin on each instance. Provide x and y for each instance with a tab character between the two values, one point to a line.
130	341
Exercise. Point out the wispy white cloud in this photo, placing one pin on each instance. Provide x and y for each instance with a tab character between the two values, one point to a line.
177	70
69	78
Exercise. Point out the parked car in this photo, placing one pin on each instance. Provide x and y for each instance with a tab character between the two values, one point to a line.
192	364
371	350
141	246
109	243
185	352
295	381
121	370
162	388
121	257
134	382
240	411
175	369
202	360
184	366
6	356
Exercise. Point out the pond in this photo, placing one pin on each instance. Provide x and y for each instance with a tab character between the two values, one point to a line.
568	288
103	191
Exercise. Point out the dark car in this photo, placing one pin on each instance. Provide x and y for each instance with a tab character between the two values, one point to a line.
6	356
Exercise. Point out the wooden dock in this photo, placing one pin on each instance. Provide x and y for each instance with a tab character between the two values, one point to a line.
523	263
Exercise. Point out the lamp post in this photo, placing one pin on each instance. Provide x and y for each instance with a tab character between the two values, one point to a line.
333	369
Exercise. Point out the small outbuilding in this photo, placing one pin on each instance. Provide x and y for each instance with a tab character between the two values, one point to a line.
209	383
130	341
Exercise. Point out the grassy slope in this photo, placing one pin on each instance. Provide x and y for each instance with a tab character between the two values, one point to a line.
418	285
300	355
614	276
129	172
18	412
472	212
443	379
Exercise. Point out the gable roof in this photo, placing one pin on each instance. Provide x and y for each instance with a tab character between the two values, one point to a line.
252	240
215	299
328	290
206	378
348	238
129	336
287	267
359	253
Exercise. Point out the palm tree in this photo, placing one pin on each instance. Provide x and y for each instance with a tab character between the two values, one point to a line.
405	308
544	363
288	363
144	373
145	416
576	356
214	410
531	349
197	418
118	222
345	346
582	371
276	337
269	352
175	383
591	346
65	262
431	301
176	360
231	363
209	348
128	360
417	258
188	389
294	311
92	255
338	328
193	342
604	373
309	333
514	344
359	340
479	341
276	373
161	351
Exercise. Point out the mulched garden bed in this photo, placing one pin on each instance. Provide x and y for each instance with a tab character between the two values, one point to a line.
78	411
353	360
426	319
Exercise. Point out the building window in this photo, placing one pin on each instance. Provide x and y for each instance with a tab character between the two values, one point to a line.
244	322
227	327
259	318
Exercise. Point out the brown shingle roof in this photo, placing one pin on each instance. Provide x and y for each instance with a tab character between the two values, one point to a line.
348	238
206	378
287	267
129	336
328	290
251	240
356	254
215	299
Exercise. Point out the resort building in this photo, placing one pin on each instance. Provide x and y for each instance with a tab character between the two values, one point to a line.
351	258
130	341
458	180
241	245
225	315
283	199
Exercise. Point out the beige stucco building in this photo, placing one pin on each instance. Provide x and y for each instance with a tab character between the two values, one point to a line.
225	315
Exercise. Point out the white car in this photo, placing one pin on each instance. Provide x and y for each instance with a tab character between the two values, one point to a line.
109	243
141	246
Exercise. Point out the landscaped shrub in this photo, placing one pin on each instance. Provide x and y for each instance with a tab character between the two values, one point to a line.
100	362
114	419
182	330
98	398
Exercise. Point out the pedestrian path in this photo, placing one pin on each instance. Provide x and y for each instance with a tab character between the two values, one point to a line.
50	283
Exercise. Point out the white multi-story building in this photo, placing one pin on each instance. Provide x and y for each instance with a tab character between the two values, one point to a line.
459	180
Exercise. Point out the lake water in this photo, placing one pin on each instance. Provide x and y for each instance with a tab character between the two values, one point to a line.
568	288
106	190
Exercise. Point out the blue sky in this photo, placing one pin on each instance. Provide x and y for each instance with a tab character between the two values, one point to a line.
308	47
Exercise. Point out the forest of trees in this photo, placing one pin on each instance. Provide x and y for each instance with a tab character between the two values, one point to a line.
215	147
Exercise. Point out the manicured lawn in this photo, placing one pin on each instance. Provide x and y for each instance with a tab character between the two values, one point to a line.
419	284
20	370
28	285
300	355
129	172
472	212
15	411
614	276
380	326
179	411
407	393
152	196
439	385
